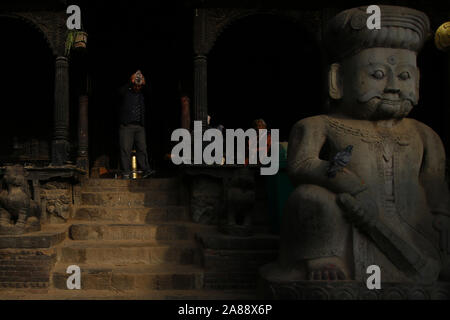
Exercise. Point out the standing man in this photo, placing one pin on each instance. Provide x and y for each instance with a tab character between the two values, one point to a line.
132	125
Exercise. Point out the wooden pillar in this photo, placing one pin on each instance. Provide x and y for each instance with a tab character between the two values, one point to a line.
200	89
185	122
83	133
60	144
200	110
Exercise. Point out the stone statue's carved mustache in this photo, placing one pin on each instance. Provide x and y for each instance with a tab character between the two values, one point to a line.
372	94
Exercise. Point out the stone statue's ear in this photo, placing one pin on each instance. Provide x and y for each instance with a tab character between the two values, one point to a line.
417	86
334	81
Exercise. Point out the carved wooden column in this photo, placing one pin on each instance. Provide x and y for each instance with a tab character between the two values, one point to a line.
200	89
200	66
60	145
83	136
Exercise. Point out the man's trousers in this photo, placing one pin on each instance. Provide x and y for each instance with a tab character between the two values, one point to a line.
129	135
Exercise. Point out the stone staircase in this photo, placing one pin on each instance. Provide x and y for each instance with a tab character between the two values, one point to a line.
133	240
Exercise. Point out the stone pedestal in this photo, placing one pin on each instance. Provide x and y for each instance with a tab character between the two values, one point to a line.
232	262
270	286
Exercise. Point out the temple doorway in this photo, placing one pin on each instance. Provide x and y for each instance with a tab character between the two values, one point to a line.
264	66
27	86
159	43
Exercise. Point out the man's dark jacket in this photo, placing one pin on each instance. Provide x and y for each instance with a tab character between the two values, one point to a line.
132	107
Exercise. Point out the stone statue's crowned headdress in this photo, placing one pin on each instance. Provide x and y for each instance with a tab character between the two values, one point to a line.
347	33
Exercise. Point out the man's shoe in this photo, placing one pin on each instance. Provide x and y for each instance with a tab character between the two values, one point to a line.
148	173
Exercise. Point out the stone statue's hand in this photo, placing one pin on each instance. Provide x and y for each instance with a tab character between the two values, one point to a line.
361	209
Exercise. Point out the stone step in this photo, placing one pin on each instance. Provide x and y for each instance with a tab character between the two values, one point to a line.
130	185
125	189
57	294
141	277
219	241
50	235
132	215
92	231
237	260
230	280
128	252
26	268
129	199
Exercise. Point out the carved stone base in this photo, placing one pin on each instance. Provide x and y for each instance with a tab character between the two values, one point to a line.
48	237
14	230
348	290
26	261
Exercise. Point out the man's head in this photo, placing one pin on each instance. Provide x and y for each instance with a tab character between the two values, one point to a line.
374	75
137	80
185	100
259	124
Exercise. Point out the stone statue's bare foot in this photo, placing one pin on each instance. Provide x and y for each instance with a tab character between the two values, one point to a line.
328	269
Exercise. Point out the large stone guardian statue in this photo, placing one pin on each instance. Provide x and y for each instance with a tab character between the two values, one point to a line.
370	183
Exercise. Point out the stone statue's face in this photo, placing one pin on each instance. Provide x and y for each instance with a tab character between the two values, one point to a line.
380	83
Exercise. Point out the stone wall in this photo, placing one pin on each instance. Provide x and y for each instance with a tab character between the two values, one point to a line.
26	260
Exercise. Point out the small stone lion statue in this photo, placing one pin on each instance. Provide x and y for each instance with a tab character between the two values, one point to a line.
18	212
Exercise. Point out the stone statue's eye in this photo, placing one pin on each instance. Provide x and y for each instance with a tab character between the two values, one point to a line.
404	75
378	74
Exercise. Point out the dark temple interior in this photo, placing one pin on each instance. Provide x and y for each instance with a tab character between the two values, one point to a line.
260	66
